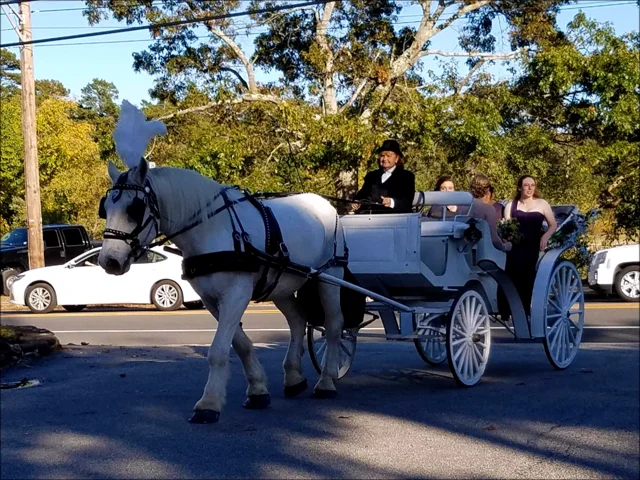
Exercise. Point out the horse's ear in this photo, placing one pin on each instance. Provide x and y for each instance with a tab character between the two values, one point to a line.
140	173
114	173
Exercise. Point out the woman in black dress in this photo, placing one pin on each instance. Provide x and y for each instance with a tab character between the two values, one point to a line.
530	210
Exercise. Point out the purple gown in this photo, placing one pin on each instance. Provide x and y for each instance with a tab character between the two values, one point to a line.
523	258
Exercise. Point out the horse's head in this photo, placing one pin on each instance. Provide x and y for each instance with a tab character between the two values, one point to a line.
130	207
131	210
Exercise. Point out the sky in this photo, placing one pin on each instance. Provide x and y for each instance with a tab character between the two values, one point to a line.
76	62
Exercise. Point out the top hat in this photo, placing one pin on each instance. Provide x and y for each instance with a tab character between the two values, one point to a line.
390	146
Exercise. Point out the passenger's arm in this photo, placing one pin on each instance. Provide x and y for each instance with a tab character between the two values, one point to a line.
492	219
551	221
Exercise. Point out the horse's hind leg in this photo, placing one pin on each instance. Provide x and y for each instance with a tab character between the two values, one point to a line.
333	321
230	306
294	381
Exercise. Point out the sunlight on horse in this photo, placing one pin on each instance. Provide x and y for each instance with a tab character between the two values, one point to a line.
144	203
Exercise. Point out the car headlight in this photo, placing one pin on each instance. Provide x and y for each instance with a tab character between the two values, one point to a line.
598	259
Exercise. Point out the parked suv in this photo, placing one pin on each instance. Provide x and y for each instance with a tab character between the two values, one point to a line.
61	243
617	270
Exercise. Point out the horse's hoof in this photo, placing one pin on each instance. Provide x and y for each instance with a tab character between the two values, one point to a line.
294	390
204	416
257	402
324	394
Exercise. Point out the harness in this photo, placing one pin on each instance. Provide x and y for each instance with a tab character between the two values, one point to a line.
244	257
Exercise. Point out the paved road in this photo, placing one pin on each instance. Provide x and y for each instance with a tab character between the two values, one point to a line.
120	411
605	323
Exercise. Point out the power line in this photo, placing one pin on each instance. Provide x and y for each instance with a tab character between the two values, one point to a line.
169	24
229	15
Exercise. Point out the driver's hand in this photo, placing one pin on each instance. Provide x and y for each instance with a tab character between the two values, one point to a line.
386	201
354	207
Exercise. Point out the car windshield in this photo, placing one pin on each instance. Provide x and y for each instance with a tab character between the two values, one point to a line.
15	237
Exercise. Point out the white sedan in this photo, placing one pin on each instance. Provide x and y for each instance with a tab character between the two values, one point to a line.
154	278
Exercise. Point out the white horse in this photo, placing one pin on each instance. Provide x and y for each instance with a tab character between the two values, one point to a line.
145	202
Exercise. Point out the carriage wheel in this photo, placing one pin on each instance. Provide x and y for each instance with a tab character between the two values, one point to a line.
564	315
433	348
317	343
468	338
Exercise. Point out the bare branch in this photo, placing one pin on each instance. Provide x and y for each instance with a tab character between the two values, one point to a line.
248	65
466	79
442	5
355	95
278	147
285	12
483	55
462	11
245	97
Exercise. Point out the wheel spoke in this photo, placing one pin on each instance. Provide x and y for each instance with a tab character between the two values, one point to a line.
554	305
456	355
321	349
458	331
475	364
550	332
345	349
459	341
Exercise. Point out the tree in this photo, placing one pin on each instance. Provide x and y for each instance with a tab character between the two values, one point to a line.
98	105
346	57
50	88
9	71
100	96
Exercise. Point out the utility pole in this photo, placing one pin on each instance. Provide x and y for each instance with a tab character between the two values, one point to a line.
31	170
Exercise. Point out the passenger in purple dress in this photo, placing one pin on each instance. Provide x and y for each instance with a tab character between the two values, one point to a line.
530	210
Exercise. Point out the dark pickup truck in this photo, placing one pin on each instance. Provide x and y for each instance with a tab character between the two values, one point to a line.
61	244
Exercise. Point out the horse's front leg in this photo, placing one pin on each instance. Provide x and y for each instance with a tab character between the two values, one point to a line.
228	294
257	391
294	381
333	322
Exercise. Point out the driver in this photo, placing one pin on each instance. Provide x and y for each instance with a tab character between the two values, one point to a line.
391	187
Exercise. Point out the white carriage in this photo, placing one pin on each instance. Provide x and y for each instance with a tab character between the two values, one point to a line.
435	282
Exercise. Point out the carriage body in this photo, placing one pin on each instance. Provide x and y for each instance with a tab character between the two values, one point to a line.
439	270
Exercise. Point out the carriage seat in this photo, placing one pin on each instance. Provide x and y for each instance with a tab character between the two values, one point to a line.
433	226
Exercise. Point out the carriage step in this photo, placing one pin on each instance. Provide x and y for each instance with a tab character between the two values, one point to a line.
431	307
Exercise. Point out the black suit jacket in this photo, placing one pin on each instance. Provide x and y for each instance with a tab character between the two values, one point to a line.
401	186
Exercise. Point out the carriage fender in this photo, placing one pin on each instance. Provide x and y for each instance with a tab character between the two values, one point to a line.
546	266
520	325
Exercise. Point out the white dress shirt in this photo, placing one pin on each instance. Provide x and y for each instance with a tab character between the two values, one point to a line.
385	177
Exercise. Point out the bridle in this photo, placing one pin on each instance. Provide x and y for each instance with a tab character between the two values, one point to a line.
136	211
138	207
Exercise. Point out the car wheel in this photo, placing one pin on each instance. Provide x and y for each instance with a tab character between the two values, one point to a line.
166	295
40	298
8	277
628	284
74	308
197	305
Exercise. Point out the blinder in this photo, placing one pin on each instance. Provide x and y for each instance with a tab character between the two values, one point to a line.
102	212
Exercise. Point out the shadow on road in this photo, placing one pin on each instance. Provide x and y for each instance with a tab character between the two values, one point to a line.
121	413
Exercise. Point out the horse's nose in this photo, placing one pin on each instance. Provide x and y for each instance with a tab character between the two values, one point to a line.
112	266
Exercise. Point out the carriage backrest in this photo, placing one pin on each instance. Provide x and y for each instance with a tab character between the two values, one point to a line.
421	199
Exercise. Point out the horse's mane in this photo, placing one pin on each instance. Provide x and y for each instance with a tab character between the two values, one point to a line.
181	193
